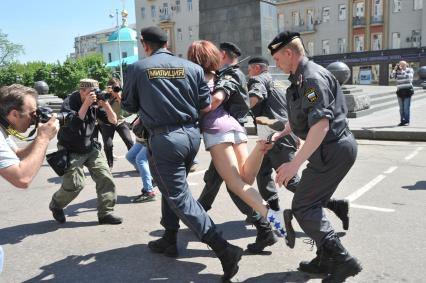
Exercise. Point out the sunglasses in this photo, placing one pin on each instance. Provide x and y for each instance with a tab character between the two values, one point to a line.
116	89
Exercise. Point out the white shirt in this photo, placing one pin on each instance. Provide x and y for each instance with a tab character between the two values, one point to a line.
8	149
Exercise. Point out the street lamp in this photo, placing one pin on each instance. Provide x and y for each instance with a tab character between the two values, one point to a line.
124	15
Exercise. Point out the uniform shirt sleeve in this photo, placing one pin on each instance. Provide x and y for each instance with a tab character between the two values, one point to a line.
317	101
130	94
257	89
204	97
8	156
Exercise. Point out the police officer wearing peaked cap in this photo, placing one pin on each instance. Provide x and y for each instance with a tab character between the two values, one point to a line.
169	92
316	113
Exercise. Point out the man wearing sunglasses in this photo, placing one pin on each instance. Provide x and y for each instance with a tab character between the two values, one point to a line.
18	107
122	128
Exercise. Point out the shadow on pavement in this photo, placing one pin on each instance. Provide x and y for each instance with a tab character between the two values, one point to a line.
15	234
126	174
128	264
289	276
420	185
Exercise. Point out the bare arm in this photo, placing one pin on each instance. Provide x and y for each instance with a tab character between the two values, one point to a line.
21	175
112	117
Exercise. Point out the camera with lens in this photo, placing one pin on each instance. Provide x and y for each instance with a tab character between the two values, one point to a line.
102	95
43	114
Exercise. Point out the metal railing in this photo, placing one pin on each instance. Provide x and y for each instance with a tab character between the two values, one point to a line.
377	19
358	21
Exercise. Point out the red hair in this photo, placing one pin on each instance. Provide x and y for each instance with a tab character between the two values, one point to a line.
205	54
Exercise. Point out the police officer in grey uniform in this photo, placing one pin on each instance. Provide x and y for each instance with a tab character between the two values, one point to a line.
267	100
317	113
168	93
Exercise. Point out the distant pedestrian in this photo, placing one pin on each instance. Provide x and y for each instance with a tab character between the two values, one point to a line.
122	128
138	156
404	79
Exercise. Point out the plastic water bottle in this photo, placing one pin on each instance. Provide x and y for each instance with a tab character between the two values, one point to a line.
1	259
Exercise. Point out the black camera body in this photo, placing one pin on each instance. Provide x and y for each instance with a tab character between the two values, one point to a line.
43	114
102	95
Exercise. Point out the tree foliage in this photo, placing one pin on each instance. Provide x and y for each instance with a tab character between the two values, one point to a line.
62	79
8	50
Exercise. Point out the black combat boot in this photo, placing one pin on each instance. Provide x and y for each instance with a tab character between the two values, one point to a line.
321	264
265	237
229	255
166	244
343	265
341	209
57	213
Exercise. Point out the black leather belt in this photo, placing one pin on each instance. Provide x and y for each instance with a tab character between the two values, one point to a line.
171	128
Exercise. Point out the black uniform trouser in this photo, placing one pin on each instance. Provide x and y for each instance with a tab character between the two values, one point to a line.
108	132
327	167
171	155
283	151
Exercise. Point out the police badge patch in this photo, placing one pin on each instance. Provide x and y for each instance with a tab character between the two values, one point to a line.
311	95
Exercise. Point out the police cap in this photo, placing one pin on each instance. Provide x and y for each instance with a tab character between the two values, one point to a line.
282	40
154	34
258	60
229	46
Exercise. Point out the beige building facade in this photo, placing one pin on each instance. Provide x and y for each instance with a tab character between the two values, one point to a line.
179	18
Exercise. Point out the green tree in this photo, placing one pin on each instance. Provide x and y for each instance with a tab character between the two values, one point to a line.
8	50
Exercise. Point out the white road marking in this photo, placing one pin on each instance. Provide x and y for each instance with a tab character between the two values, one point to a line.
414	153
355	195
372	208
391	169
192	184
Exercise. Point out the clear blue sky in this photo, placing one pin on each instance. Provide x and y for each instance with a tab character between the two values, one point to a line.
46	28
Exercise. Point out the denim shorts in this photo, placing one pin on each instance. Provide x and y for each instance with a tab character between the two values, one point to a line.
233	137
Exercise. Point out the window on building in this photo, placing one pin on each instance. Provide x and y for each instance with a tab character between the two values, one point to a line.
415	38
396	40
177	7
377	8
165	9
123	54
376	41
109	57
296	18
341	45
418	4
396	6
358	43
179	34
190	33
143	12
189	5
342	12
280	22
310	19
325	47
325	14
153	11
311	48
359	9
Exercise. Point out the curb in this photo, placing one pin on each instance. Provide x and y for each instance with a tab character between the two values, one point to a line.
389	135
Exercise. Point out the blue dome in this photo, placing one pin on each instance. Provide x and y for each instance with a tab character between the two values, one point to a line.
126	34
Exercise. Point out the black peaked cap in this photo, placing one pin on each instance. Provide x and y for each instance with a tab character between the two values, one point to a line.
154	34
281	40
258	60
230	47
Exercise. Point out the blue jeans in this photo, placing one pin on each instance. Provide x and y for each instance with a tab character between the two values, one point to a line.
138	156
404	109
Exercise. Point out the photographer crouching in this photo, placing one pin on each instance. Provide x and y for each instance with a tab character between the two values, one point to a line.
18	111
76	142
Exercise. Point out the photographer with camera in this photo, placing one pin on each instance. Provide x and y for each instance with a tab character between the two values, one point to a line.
108	130
18	108
404	80
76	138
